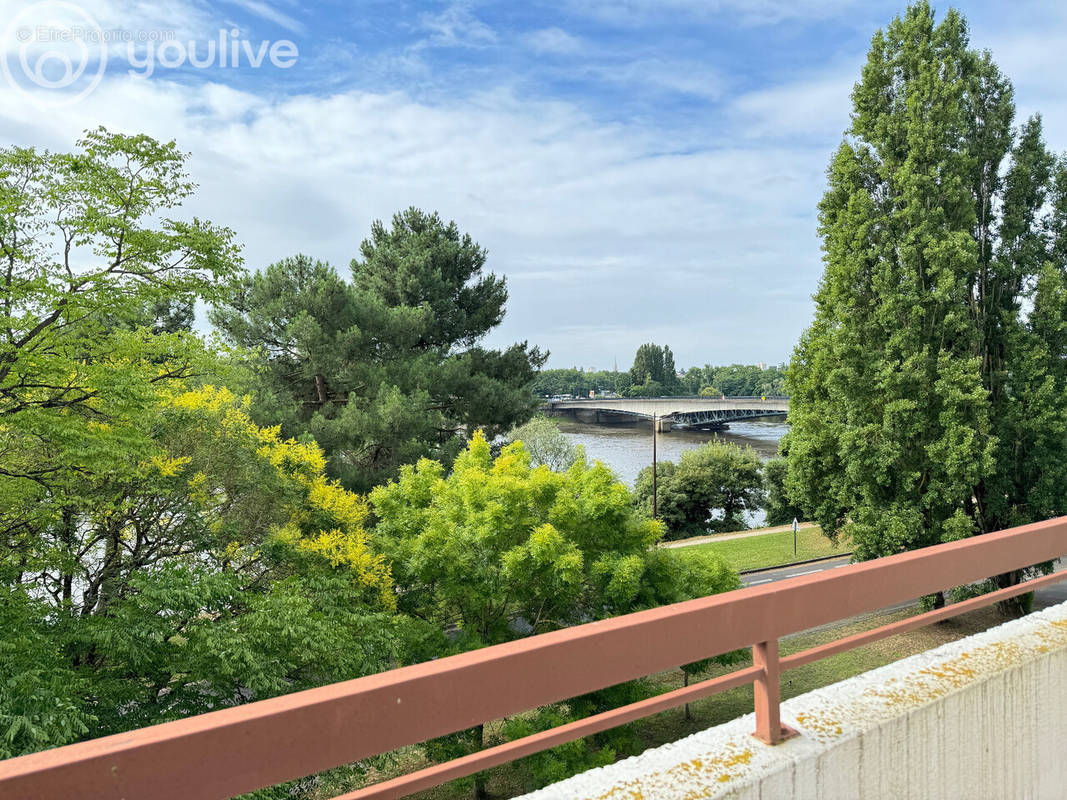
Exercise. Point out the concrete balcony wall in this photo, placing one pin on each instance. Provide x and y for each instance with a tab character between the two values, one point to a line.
984	717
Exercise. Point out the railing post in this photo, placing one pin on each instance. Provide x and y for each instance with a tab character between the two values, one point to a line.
767	691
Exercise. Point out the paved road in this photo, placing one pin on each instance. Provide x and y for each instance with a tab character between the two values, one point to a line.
1043	598
770	575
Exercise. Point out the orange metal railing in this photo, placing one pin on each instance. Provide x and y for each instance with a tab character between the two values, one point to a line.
248	747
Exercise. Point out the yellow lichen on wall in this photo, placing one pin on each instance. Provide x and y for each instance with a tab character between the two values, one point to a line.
820	725
935	681
968	678
704	773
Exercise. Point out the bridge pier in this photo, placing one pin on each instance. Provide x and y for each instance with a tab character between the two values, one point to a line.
663	425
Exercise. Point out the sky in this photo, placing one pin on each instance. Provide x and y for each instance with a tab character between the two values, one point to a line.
639	170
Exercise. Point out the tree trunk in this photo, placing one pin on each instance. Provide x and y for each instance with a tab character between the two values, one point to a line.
1018	606
68	549
685	682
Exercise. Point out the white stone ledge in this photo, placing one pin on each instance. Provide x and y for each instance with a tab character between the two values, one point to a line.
983	717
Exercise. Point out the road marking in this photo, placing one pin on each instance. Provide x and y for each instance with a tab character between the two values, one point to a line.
798	574
765	580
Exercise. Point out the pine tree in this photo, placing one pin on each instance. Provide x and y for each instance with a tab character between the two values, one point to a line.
386	369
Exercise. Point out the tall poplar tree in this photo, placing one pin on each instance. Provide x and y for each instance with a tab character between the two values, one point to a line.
928	399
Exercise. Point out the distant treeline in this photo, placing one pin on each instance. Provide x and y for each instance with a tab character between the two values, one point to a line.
732	380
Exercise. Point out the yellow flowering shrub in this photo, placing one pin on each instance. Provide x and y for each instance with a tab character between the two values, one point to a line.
320	518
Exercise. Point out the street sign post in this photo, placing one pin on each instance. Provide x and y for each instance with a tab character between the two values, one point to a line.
796	526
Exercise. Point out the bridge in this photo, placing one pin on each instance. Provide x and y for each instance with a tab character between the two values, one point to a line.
692	413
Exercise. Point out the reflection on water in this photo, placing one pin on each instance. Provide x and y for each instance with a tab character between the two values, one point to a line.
627	449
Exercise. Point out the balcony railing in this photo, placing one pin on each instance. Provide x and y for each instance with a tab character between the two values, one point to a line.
260	744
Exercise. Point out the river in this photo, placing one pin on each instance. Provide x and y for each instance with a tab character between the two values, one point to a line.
627	449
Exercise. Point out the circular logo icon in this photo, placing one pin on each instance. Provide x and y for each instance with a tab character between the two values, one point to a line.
53	52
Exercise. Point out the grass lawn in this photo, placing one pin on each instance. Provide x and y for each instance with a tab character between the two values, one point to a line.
770	549
506	781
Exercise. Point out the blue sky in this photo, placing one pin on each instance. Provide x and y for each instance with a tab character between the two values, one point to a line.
638	170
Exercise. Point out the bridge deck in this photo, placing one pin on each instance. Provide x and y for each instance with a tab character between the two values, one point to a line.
682	412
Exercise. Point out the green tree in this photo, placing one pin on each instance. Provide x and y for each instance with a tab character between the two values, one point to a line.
654	369
711	488
542	439
927	399
386	369
160	555
780	509
87	244
572	381
219	568
745	380
497	550
92	260
693	380
41	697
421	262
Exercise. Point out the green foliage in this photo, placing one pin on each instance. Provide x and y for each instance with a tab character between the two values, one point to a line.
223	567
498	550
735	380
577	382
558	763
88	249
653	371
780	509
41	697
546	445
928	401
711	488
420	262
386	369
160	554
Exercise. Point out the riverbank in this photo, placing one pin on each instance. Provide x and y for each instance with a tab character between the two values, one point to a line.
770	547
722	537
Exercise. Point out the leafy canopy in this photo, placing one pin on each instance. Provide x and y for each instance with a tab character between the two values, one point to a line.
928	397
546	444
710	489
498	549
223	567
385	369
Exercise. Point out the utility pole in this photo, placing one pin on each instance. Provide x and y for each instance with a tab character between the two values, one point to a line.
655	477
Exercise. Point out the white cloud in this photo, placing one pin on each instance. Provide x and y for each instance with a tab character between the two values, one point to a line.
590	221
684	77
743	12
457	26
271	14
813	107
552	40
